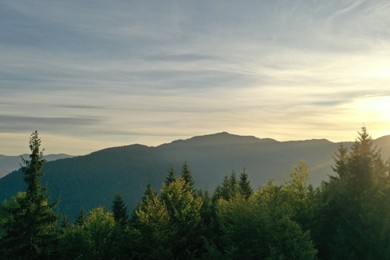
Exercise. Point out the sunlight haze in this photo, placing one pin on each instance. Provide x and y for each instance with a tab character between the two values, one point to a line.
90	75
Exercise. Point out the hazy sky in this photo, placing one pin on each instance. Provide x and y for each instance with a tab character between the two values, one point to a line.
93	74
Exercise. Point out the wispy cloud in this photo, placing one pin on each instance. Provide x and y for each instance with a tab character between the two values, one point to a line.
150	72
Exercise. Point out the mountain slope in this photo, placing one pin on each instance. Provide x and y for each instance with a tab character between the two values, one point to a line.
12	163
93	180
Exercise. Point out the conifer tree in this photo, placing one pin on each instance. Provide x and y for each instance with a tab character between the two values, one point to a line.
119	210
80	220
171	176
184	210
31	231
244	185
228	189
187	176
95	239
351	216
149	193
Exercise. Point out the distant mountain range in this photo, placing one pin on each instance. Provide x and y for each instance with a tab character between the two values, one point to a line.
93	180
12	163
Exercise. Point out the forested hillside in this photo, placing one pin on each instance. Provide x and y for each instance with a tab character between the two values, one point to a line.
92	180
12	163
346	217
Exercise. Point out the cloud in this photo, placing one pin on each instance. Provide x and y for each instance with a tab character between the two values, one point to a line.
126	70
180	57
17	124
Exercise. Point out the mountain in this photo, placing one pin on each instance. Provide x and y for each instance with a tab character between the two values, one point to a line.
93	180
12	163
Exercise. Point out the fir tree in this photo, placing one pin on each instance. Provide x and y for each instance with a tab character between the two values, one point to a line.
31	231
119	210
351	216
187	176
171	176
80	220
149	193
244	185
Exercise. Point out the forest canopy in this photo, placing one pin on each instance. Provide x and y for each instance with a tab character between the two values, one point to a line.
347	216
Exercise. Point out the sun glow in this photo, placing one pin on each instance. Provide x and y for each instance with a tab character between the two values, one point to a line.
384	73
377	108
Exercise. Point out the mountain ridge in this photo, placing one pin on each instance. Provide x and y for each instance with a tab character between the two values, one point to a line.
92	180
11	163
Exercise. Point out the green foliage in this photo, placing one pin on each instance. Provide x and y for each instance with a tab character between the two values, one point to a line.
187	177
171	176
95	239
29	229
228	189
80	220
244	184
262	226
347	217
351	218
168	226
119	210
151	230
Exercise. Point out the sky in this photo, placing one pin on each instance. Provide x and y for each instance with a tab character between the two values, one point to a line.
95	74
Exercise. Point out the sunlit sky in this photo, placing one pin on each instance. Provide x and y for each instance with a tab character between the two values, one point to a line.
94	74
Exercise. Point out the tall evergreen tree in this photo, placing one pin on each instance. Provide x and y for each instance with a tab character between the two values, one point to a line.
148	193
245	185
171	176
184	209
350	216
187	176
80	220
119	210
228	189
95	239
31	231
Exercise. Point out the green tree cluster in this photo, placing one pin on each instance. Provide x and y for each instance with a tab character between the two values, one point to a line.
29	228
347	217
352	210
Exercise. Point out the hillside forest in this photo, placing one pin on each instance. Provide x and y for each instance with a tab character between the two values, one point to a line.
346	217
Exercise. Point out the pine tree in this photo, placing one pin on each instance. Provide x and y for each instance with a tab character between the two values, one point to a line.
95	239
171	176
65	222
152	232
187	176
351	216
31	231
119	210
184	210
148	193
80	220
228	189
244	185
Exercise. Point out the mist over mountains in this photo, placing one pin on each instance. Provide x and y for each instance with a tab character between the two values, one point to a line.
92	180
12	163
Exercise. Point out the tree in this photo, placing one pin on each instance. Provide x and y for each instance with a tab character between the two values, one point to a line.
171	176
262	227
351	216
245	185
119	210
184	210
300	194
187	177
96	239
149	193
80	220
151	231
30	232
228	189
168	226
